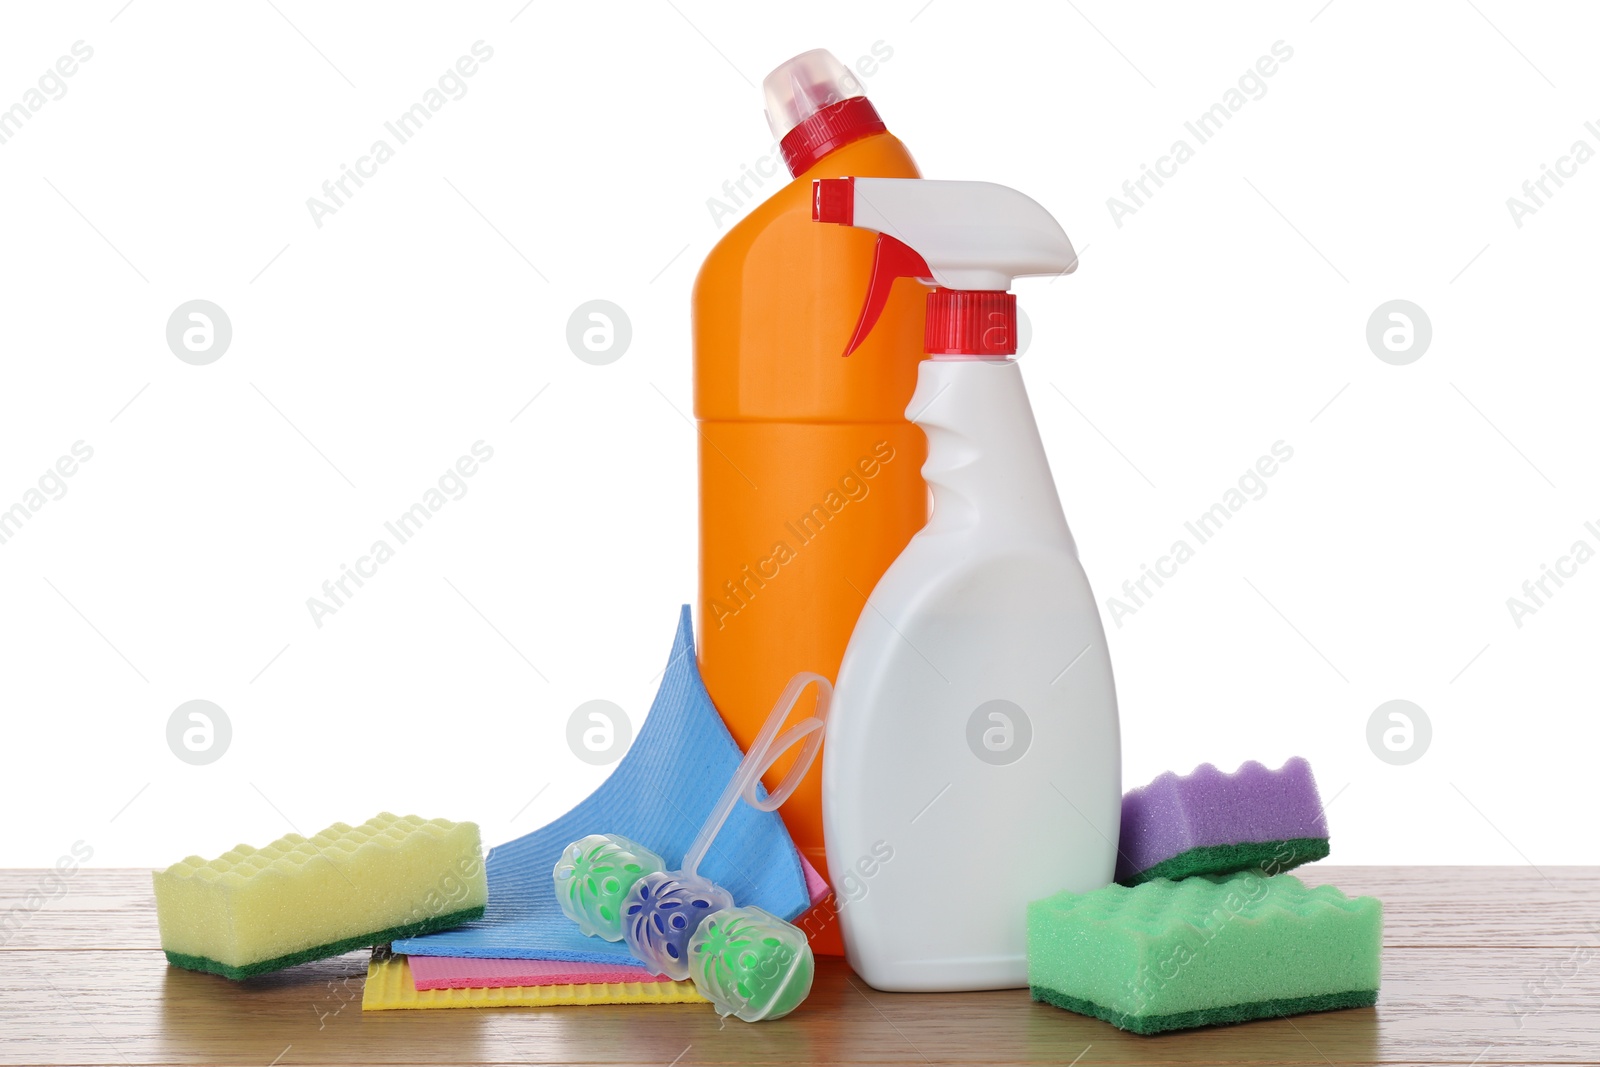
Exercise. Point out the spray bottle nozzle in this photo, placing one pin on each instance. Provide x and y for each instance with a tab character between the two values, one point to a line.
833	200
969	239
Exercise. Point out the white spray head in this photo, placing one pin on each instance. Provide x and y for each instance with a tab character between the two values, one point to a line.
965	237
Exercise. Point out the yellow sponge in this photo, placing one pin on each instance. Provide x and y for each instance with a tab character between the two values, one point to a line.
390	986
250	911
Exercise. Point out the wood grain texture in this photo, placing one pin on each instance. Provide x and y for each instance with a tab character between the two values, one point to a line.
1485	965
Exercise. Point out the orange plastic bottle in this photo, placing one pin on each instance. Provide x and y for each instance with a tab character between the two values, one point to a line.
810	473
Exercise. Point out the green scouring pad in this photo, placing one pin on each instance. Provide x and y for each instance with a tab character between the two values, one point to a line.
1168	955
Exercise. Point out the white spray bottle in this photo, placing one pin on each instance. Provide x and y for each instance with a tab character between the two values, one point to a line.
973	760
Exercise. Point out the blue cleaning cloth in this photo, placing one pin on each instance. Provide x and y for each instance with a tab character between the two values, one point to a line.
659	796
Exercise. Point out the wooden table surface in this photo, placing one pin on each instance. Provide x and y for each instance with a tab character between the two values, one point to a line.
1482	965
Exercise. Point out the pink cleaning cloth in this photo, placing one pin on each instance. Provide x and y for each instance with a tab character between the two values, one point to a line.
454	972
815	885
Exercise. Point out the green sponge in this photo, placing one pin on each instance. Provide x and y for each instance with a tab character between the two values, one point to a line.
1167	955
251	911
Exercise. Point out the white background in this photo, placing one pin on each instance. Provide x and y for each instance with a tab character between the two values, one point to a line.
1226	314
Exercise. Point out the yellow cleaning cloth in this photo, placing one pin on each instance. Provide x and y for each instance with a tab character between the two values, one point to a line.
389	987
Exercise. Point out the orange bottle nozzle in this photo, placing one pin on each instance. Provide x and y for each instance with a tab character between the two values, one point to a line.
833	200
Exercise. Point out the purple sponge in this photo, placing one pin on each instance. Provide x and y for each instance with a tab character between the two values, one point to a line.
1214	823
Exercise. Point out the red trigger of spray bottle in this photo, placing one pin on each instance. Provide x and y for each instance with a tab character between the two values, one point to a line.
968	240
833	200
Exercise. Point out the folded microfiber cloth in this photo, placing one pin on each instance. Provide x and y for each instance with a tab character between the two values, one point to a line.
1210	822
659	795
